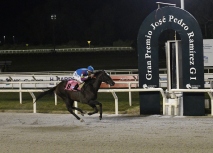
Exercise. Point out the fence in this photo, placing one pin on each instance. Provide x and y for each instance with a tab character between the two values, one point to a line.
96	49
113	91
126	84
177	91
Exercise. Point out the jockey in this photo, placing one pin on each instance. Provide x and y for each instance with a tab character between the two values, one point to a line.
82	74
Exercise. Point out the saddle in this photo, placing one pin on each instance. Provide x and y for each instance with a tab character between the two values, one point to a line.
71	85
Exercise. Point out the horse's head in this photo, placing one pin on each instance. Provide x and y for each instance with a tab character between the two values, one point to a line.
104	77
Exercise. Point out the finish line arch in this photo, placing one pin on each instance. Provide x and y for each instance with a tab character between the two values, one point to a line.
192	58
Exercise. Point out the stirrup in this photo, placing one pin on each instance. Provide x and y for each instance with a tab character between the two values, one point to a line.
76	87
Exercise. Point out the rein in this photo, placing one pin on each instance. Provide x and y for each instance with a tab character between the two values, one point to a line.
85	84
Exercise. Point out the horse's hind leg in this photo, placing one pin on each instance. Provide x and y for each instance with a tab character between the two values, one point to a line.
70	109
80	110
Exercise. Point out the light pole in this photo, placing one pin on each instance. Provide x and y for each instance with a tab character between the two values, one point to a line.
53	18
89	43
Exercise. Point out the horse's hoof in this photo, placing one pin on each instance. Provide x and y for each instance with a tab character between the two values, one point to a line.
81	120
89	113
82	114
100	118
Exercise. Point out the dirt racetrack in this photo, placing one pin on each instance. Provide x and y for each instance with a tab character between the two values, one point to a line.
62	133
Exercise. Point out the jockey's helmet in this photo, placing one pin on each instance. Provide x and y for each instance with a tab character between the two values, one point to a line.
90	68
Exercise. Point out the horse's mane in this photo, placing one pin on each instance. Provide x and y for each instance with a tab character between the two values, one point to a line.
97	73
91	80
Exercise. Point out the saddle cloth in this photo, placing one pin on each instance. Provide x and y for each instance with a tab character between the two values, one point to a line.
71	84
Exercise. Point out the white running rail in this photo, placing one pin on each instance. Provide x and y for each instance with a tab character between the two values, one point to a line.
113	91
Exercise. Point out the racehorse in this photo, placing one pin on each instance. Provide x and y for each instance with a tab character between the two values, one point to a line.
87	94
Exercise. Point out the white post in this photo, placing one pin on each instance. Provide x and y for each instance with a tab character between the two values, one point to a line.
34	102
176	106
116	102
181	106
76	105
34	106
167	44
164	107
177	63
170	109
130	95
20	93
56	100
182	4
211	97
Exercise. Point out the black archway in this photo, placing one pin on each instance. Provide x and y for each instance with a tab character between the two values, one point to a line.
192	58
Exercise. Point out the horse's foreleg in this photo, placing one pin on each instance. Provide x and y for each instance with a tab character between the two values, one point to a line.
93	105
100	107
94	108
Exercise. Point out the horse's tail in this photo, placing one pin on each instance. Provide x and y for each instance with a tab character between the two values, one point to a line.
50	91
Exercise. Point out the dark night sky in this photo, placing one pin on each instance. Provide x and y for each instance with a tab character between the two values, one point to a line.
79	20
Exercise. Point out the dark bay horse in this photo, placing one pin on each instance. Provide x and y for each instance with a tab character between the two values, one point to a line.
87	94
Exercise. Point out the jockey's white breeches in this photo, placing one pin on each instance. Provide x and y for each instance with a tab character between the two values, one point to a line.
77	77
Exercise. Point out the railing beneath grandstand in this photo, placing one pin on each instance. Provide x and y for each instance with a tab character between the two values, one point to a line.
95	49
113	91
40	85
21	82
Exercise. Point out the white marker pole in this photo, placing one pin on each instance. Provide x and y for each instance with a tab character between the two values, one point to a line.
182	4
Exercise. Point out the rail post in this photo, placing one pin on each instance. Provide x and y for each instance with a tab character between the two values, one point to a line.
116	102
20	93
34	102
130	95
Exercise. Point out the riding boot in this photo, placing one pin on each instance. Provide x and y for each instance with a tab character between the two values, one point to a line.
76	87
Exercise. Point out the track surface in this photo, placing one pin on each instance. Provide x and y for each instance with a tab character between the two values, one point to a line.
54	133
